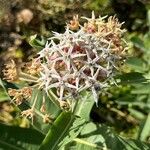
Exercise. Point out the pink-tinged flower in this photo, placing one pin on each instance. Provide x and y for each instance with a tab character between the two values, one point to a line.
82	60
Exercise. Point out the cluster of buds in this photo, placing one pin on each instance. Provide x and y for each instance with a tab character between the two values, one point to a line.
82	58
20	94
10	72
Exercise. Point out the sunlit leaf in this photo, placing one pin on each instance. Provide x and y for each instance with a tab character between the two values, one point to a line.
142	89
138	43
64	128
96	137
3	94
37	43
145	129
137	114
51	109
85	104
136	64
133	77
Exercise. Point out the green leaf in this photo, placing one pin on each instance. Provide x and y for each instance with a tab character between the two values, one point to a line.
148	18
36	43
16	138
51	109
141	89
145	129
85	102
137	114
89	138
133	77
63	130
84	105
132	101
73	132
125	100
3	96
136	64
96	137
138	43
3	93
57	132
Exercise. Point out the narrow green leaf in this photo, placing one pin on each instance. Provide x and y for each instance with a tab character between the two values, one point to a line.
84	106
51	109
36	43
138	43
73	132
57	132
100	137
140	104
142	89
3	94
145	129
136	64
133	77
137	114
148	18
16	138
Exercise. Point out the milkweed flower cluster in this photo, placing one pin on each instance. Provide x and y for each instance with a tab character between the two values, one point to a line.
84	57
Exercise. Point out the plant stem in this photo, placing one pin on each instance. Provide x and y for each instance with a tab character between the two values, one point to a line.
28	76
89	144
74	106
53	98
